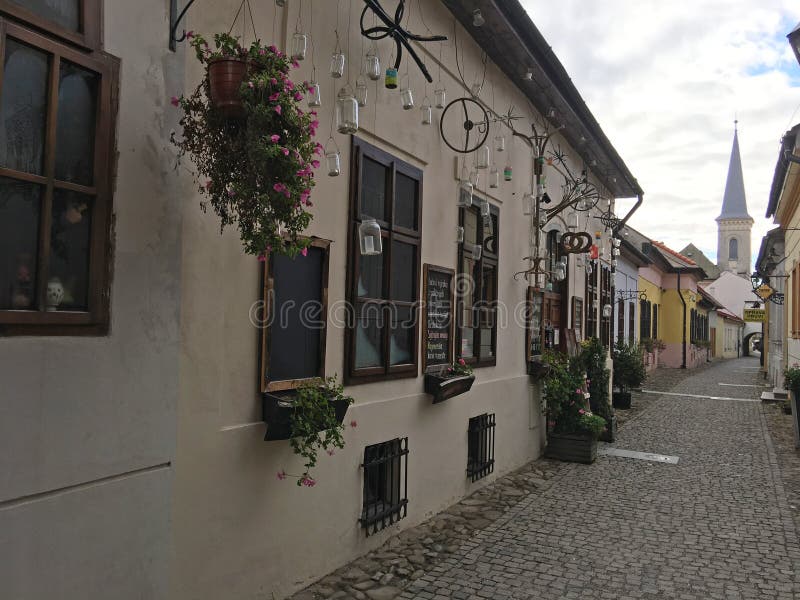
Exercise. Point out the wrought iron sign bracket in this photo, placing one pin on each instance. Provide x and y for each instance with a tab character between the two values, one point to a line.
174	20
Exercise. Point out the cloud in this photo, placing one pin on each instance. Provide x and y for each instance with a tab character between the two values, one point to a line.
665	81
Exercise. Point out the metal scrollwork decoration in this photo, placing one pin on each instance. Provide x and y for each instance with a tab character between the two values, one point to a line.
475	119
631	295
393	29
610	220
576	243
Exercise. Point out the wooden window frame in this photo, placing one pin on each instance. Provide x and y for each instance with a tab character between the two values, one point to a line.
621	321
389	232
487	258
631	323
89	38
94	321
592	283
645	319
796	302
267	287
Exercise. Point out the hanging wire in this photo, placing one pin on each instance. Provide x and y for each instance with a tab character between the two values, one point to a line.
299	23
244	19
349	56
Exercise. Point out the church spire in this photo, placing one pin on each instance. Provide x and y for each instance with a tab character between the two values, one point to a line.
734	203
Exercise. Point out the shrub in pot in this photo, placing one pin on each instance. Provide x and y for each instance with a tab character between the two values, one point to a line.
629	372
592	359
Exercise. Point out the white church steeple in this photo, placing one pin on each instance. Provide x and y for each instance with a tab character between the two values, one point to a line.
734	224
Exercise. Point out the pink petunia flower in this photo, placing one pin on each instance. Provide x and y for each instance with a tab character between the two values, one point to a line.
298	96
175	101
315	163
279	187
278	109
581	412
462	362
262	258
284	150
304	251
353	424
579	391
281	474
275	138
261	51
190	34
274	96
295	64
308	482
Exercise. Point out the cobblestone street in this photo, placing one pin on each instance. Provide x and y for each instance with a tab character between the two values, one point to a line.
717	524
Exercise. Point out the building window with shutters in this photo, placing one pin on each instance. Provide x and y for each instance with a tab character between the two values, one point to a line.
645	330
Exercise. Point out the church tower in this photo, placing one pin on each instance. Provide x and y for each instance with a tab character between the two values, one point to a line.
734	223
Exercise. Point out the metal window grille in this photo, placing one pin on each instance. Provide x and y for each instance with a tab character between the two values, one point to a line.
480	446
385	484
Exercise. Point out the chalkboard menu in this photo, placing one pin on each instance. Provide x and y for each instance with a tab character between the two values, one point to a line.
437	334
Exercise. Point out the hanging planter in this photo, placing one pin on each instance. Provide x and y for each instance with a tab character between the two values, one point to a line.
450	382
257	175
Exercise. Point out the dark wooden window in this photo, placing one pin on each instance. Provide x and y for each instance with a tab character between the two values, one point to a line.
795	301
384	289
480	446
698	327
76	21
57	111
655	321
645	320
294	318
606	299
591	302
621	321
631	323
385	484
476	293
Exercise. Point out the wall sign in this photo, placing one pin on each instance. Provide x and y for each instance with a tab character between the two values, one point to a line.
437	331
755	315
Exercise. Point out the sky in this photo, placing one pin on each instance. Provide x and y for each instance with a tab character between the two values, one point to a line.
665	80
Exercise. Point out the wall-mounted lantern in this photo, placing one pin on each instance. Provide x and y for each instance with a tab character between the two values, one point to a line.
369	237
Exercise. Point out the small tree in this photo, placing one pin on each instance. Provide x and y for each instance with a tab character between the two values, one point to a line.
629	371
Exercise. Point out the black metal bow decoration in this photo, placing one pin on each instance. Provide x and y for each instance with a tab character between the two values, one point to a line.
394	30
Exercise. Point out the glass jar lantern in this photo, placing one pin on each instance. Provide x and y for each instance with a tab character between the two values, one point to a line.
465	193
314	94
528	203
486	210
346	111
484	157
427	112
407	97
459	234
337	65
369	237
372	65
508	172
494	177
361	91
333	158
439	96
500	143
390	80
299	45
473	177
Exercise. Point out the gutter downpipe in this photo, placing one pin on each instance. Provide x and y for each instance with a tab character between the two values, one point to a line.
683	344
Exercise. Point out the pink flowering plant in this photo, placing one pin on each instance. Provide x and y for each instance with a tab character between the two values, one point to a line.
564	392
257	173
460	368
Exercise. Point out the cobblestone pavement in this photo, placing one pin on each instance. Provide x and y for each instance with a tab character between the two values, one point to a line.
716	525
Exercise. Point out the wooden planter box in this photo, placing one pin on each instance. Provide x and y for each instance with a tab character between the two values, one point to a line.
442	388
537	369
277	410
621	400
610	435
571	447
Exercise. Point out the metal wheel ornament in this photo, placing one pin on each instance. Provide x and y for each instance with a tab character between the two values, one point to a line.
576	243
610	220
471	119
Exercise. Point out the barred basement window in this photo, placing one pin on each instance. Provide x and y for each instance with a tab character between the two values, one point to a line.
480	446
385	484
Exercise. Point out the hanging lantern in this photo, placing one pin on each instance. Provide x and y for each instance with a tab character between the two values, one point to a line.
361	91
613	263
616	242
406	95
500	143
314	94
528	203
494	177
473	177
508	172
427	112
486	210
337	65
540	190
299	46
476	89
484	157
465	189
391	79
607	310
333	158
372	65
615	252
560	272
369	236
439	96
572	222
476	250
346	111
459	235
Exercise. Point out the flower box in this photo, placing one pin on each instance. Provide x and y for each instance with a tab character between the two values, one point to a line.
571	447
610	434
442	387
277	410
538	369
621	400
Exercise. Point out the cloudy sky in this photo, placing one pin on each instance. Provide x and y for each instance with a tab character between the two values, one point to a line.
665	79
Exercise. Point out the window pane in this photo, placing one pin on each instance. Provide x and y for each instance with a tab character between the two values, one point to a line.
77	113
370	276
490	234
467	333
470	226
68	279
65	13
20	204
404	261
369	345
487	348
373	189
401	344
406	202
24	108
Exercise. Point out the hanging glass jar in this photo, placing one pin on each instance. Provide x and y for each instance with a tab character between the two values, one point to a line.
459	234
476	250
500	143
484	157
508	173
314	93
540	190
465	189
427	112
439	96
337	65
280	3
406	95
361	91
476	89
333	158
473	177
528	203
299	45
494	177
391	79
486	210
372	65
346	111
369	237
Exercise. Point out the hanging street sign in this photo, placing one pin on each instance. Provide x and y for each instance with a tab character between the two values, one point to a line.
755	315
764	291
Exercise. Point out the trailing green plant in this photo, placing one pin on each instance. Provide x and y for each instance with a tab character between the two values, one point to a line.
791	376
256	172
314	424
629	371
566	407
592	358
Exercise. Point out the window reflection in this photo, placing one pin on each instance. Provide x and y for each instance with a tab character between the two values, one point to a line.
69	251
77	92
20	204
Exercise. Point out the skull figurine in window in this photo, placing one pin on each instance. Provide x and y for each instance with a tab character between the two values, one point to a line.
55	294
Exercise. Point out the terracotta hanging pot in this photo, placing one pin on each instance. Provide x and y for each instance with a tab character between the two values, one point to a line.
225	77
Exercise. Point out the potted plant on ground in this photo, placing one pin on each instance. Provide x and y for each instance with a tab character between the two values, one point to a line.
256	170
592	359
791	377
310	417
629	372
451	381
572	428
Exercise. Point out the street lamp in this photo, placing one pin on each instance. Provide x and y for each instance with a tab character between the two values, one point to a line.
794	42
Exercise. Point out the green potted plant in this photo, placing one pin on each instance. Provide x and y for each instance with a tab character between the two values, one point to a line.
629	372
791	376
592	359
310	417
572	428
451	381
257	171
